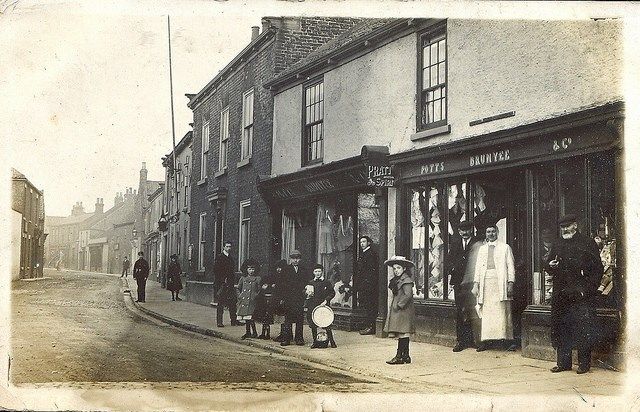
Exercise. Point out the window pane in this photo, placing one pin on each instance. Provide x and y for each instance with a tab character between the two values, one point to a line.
545	181
425	78
442	49
437	115
434	54
321	91
572	192
441	73
433	70
435	258
417	237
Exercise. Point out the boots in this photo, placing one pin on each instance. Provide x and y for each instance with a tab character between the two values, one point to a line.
398	359
330	336
263	332
254	333
405	351
287	334
279	337
248	331
267	336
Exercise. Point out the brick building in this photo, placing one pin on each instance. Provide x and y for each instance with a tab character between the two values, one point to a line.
232	130
511	123
27	228
62	249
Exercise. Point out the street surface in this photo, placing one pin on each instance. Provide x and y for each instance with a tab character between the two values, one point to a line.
75	327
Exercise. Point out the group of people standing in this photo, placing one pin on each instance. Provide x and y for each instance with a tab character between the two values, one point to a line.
261	297
483	275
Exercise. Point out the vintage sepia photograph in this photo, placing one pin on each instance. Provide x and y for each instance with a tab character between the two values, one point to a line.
319	205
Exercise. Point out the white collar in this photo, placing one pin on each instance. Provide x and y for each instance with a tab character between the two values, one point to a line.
225	253
368	247
495	242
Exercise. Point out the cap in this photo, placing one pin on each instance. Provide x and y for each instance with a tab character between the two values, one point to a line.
567	219
318	266
295	253
465	225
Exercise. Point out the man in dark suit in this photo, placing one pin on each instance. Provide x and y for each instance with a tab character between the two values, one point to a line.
577	269
140	274
366	282
292	297
224	285
461	259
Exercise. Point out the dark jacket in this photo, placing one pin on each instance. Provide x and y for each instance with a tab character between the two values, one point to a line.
458	258
141	269
291	289
577	277
322	292
366	280
126	263
401	315
223	272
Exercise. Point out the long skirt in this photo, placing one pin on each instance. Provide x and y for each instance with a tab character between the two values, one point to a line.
496	313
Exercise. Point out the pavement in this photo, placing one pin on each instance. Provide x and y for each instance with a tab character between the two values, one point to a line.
493	372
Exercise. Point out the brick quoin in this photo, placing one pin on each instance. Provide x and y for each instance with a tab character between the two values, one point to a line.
294	39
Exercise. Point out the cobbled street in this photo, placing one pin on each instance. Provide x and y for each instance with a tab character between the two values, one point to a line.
75	327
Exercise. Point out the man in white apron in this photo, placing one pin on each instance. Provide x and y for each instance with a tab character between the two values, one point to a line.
493	286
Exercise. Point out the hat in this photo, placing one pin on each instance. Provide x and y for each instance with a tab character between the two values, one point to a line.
140	253
174	256
318	266
295	253
465	225
400	260
567	219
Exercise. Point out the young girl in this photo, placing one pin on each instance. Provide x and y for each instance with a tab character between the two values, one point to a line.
319	291
400	319
249	286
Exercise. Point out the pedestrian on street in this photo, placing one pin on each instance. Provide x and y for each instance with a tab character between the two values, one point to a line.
577	269
125	267
140	274
174	284
319	291
224	285
463	250
265	303
294	280
400	322
366	282
249	287
493	287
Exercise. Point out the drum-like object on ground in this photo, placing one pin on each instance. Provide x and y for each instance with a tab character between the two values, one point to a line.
322	316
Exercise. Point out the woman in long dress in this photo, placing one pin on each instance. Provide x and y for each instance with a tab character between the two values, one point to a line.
174	284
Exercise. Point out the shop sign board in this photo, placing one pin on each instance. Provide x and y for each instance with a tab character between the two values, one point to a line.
532	150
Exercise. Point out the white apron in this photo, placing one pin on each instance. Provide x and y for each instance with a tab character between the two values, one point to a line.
496	313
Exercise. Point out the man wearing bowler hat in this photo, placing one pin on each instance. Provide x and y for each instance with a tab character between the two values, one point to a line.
574	262
292	297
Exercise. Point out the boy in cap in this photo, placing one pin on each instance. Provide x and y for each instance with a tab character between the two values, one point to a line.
319	291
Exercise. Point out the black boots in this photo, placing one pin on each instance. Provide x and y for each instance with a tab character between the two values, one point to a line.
402	354
250	327
265	332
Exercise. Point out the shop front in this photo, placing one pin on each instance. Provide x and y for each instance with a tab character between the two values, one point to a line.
521	180
322	212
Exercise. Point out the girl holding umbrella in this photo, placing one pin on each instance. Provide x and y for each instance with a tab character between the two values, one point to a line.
400	317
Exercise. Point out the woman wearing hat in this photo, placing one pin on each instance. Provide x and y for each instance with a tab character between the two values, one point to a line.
173	278
400	318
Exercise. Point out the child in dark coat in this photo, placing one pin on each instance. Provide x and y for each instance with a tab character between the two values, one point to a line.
319	291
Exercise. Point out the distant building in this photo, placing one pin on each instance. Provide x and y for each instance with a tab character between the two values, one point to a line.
27	228
62	246
153	247
177	203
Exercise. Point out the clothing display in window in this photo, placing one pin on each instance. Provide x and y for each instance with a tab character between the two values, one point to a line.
325	230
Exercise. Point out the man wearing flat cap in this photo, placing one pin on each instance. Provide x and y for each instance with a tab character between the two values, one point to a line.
292	297
574	262
463	250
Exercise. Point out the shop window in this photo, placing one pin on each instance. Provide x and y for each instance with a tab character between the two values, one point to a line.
335	246
432	78
288	235
313	121
417	237
572	193
546	212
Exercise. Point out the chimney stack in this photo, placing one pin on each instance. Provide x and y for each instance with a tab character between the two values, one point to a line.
99	206
255	32
266	23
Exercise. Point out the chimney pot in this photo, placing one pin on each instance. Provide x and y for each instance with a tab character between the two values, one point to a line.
255	32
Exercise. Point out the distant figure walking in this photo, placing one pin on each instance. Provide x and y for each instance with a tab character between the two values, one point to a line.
174	284
125	267
140	274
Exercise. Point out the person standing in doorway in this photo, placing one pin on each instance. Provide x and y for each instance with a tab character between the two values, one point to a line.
294	280
493	286
224	285
463	250
367	283
400	322
174	284
577	269
125	267
140	274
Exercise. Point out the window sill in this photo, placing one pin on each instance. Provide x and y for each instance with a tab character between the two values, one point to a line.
243	162
431	132
313	164
202	181
220	173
